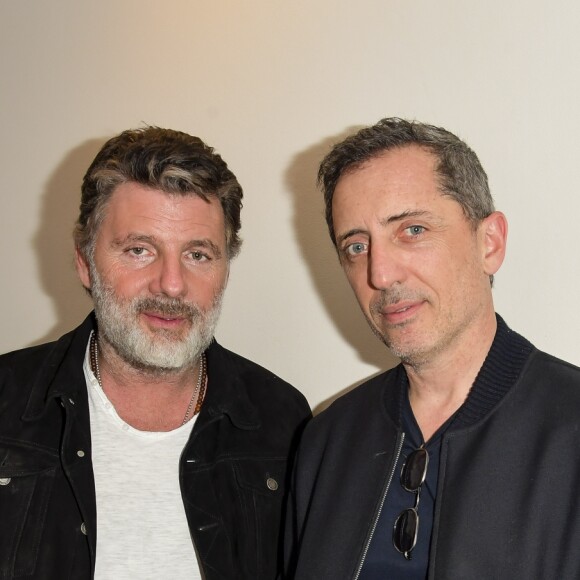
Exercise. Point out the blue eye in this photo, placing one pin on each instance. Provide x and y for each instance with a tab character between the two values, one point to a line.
415	230
356	249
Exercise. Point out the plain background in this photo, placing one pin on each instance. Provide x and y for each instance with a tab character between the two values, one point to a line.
271	85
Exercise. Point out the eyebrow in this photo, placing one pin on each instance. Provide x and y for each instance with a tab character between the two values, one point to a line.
349	234
132	238
144	239
405	215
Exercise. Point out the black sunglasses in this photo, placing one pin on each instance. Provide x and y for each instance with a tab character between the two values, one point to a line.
407	524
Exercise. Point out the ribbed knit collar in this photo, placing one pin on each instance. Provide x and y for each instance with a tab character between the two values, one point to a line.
501	369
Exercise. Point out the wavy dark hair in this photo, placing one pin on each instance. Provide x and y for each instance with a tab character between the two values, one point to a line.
171	161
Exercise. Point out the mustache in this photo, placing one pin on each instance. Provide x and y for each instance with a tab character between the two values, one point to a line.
167	307
391	296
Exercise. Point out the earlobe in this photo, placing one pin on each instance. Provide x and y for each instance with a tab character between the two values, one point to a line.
82	268
494	231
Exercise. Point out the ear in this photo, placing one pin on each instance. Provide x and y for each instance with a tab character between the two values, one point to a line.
82	268
227	275
494	230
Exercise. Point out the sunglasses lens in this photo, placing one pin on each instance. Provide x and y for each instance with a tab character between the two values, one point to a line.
415	470
405	531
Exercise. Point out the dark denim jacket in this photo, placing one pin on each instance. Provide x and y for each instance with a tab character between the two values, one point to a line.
233	470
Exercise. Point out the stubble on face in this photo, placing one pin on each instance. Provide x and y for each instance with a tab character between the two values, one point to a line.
414	343
393	335
158	351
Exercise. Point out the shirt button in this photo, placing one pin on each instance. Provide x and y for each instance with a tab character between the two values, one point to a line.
272	484
84	528
80	453
4	480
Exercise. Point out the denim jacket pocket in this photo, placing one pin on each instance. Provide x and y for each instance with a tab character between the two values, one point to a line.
262	485
26	480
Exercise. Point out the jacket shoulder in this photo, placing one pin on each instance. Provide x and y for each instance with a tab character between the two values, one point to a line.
25	356
552	378
547	387
554	367
262	385
375	398
19	369
30	371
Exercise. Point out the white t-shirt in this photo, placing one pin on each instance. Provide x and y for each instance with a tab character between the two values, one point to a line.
142	530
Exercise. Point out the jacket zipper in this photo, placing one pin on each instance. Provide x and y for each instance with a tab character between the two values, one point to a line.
378	514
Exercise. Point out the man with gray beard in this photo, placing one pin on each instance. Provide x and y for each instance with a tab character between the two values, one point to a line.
135	446
460	463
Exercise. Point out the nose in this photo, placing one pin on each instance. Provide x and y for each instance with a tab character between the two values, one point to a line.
385	267
169	278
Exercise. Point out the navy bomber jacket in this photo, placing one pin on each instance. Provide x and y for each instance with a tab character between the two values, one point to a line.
236	462
509	477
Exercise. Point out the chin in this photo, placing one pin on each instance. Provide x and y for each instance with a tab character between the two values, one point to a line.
410	353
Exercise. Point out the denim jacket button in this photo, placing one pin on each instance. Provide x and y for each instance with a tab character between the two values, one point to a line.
272	484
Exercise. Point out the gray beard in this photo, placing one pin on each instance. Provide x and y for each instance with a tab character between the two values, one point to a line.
163	351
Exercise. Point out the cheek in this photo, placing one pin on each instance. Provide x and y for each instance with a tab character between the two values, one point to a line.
129	285
202	289
460	284
362	290
356	271
354	278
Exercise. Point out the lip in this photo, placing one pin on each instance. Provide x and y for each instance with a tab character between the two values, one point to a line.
159	320
400	312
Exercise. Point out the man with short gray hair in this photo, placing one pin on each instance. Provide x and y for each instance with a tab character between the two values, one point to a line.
460	462
136	446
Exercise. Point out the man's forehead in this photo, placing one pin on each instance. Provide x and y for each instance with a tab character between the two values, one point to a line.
407	173
133	206
410	157
130	196
134	188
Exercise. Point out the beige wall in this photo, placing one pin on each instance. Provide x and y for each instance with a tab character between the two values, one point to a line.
271	84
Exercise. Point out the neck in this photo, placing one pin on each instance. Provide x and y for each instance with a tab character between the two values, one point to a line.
439	386
149	399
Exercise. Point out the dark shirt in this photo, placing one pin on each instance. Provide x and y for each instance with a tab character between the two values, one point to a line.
383	560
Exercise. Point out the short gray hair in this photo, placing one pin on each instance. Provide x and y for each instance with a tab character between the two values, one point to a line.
460	173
